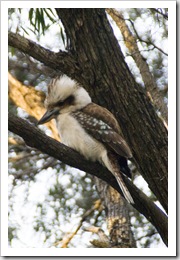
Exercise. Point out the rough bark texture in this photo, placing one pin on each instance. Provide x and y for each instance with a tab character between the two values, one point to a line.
94	59
120	234
37	139
109	81
149	81
58	61
117	214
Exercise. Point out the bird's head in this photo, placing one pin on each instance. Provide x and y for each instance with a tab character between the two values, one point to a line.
64	96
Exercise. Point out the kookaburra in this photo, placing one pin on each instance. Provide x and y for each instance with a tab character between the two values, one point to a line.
87	128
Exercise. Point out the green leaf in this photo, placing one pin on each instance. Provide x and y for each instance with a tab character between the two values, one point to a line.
51	11
31	14
42	21
38	21
49	16
24	30
62	35
12	50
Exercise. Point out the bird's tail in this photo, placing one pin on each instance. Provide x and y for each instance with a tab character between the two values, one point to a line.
112	164
123	187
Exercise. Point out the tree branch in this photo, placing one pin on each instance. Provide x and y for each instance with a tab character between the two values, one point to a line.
160	11
131	43
37	139
107	78
31	100
68	237
118	219
61	61
148	42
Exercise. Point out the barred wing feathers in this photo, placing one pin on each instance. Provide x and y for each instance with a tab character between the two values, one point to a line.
102	126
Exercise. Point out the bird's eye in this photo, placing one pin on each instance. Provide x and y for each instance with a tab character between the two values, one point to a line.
59	103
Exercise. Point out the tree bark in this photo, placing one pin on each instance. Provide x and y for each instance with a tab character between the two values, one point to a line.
96	61
37	139
117	214
148	79
61	61
111	84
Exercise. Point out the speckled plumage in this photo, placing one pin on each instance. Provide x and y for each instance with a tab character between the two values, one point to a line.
88	128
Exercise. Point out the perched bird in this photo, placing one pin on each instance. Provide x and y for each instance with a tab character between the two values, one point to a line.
87	128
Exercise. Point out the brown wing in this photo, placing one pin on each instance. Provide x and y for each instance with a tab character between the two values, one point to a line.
102	125
103	114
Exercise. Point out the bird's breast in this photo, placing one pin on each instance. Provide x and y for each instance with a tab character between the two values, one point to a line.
75	136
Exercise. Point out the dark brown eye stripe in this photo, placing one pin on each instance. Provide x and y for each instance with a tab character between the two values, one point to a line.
67	101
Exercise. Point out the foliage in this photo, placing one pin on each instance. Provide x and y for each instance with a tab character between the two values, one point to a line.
43	193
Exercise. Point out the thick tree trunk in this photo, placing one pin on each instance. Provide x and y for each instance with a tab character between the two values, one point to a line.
149	81
37	139
31	101
95	60
117	214
111	84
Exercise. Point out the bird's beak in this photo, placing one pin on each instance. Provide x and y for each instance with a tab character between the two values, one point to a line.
50	114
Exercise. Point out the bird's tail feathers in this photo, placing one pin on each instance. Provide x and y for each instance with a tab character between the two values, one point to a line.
124	189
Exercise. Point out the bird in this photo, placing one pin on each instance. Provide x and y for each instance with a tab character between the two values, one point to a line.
88	128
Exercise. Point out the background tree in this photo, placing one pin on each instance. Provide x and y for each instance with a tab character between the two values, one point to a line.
94	58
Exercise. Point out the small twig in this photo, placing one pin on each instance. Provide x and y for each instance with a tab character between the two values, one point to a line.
66	240
33	171
165	15
103	241
145	41
20	157
149	234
